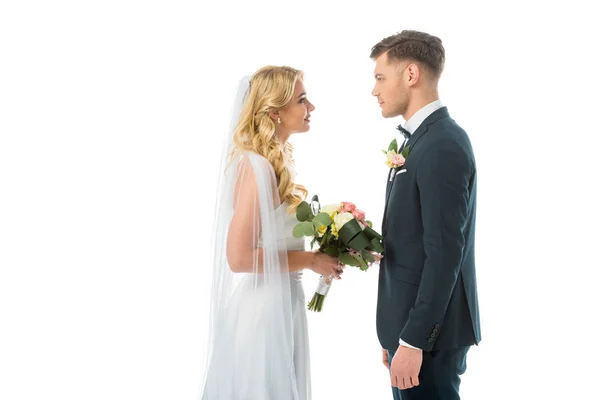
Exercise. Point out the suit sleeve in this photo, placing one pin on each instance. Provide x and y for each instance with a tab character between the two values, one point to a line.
443	179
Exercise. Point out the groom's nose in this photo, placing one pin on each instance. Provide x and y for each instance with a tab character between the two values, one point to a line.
374	92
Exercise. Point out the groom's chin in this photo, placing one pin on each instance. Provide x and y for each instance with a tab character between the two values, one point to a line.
389	114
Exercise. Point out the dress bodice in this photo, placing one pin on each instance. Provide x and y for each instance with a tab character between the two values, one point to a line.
289	221
287	241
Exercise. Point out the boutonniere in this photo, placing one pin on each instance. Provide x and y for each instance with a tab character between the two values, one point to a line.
392	158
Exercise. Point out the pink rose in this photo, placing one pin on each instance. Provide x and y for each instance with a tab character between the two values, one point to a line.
348	207
398	160
358	214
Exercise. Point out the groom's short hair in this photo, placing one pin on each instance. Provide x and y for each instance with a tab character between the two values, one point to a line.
418	46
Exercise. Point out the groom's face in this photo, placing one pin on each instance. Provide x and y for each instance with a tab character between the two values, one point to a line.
390	89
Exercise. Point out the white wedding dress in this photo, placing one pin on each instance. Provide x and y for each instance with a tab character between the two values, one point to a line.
260	348
251	306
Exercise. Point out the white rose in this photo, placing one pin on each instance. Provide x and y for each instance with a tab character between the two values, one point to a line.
341	219
331	209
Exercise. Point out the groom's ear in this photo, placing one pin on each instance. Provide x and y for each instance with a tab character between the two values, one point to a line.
413	74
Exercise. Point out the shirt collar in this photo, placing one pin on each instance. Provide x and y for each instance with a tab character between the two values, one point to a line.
417	119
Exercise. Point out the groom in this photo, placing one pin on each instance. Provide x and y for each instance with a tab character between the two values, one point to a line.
427	310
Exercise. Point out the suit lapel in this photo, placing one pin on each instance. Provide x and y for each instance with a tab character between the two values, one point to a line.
412	141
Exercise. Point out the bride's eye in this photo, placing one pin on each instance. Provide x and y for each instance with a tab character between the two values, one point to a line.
302	100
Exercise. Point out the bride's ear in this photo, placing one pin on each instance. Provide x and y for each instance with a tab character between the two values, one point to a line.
274	115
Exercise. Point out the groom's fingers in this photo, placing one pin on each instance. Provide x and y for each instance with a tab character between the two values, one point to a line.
415	380
384	355
401	383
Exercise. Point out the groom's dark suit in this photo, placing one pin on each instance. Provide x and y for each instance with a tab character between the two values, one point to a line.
427	288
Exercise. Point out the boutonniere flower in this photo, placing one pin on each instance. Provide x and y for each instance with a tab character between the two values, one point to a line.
392	158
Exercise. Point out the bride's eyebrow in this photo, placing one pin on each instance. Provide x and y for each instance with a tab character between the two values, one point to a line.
302	94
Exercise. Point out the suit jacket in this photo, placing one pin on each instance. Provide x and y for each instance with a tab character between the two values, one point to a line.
427	287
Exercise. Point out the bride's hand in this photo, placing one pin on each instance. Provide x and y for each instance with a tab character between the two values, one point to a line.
326	265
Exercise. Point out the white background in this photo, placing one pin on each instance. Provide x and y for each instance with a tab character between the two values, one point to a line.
111	116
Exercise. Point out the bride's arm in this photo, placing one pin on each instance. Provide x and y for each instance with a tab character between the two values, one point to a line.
243	253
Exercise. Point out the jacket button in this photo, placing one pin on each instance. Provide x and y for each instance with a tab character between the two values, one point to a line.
435	330
437	326
430	340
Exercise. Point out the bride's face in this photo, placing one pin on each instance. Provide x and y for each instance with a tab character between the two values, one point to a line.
295	116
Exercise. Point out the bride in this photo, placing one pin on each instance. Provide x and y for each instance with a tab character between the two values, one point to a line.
258	341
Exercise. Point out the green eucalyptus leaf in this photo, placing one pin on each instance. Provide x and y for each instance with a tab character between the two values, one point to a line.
303	229
323	219
303	212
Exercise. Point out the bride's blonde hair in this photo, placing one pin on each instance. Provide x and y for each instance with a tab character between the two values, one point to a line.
271	88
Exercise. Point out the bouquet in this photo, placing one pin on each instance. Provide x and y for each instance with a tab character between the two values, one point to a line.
341	230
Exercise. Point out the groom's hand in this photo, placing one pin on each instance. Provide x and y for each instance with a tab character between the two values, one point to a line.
384	355
406	365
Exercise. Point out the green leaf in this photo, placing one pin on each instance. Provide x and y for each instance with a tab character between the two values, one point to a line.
359	242
322	219
332	251
347	259
302	229
349	231
363	265
405	152
393	146
369	223
324	239
303	212
371	233
367	256
376	245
